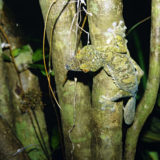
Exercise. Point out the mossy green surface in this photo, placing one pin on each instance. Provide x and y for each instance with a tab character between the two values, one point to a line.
26	134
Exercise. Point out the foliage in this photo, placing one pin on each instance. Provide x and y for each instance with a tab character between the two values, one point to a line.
37	58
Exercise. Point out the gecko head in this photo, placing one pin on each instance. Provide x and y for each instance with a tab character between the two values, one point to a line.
67	67
73	65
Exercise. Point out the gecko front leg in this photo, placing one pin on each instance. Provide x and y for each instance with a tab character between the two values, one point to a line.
129	108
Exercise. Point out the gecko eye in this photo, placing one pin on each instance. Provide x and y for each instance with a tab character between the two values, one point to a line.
67	67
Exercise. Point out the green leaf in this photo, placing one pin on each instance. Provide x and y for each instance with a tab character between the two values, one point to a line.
153	155
137	24
38	66
151	137
37	55
6	58
51	73
16	52
144	155
23	49
43	72
26	48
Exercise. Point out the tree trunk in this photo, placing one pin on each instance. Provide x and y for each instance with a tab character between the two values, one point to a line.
107	124
74	97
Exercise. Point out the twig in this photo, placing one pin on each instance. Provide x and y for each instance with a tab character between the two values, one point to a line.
19	150
44	61
12	57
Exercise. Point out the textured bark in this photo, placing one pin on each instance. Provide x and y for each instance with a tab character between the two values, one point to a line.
74	98
147	103
6	105
10	91
107	124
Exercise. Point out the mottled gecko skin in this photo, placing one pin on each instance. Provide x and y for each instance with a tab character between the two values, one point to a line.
114	59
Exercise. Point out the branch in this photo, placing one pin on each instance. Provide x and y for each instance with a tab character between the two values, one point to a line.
147	103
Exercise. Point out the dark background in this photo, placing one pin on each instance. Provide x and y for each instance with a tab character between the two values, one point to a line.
30	21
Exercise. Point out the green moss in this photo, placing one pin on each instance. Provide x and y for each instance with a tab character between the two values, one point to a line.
22	127
26	134
68	114
81	139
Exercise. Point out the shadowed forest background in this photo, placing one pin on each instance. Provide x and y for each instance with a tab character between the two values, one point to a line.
29	22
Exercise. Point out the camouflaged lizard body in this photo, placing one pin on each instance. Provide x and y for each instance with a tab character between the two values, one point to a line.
118	66
117	63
